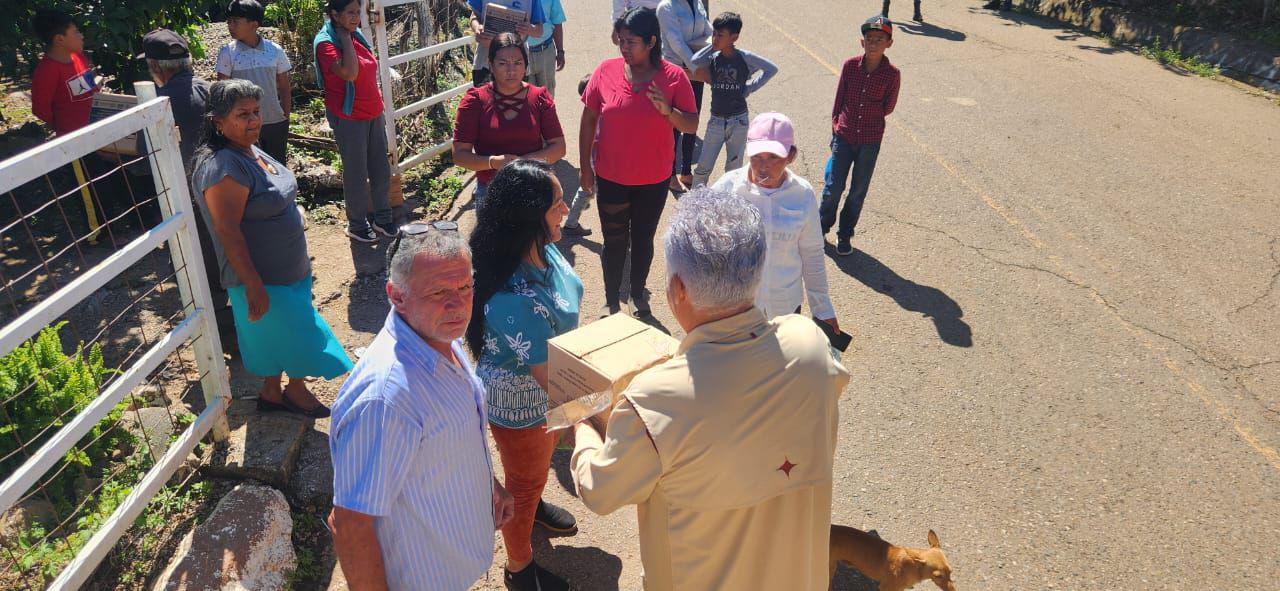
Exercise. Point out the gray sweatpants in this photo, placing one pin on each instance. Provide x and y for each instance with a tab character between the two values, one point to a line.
366	172
542	68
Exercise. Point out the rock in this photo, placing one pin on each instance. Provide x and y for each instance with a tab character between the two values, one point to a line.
338	580
262	446
153	427
23	516
146	395
185	469
245	544
311	486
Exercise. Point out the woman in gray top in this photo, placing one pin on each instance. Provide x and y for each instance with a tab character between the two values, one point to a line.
248	201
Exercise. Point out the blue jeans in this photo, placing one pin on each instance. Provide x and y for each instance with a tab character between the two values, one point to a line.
862	159
729	132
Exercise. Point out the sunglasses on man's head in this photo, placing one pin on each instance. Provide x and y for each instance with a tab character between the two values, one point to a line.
415	229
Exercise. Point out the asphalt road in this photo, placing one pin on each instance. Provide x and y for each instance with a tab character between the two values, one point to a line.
1064	300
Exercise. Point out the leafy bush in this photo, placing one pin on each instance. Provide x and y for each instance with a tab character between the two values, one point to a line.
44	389
298	22
44	384
113	31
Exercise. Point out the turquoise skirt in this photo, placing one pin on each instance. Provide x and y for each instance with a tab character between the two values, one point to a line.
291	337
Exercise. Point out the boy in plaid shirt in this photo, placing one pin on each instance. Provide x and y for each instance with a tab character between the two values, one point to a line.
866	94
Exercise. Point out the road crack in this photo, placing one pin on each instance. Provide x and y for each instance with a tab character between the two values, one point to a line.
1271	285
1096	296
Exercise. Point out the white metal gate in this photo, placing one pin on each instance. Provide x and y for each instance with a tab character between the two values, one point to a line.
374	22
154	120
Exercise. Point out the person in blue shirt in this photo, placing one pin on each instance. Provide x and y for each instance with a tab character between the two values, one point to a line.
480	67
546	51
525	294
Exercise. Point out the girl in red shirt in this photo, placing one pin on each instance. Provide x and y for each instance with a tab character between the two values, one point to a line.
506	119
632	105
348	73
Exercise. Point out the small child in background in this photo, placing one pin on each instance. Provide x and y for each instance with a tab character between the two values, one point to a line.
580	198
63	84
251	57
733	75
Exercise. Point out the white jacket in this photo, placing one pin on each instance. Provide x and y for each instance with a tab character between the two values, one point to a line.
795	264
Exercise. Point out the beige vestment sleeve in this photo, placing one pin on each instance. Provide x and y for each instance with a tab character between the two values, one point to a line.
622	468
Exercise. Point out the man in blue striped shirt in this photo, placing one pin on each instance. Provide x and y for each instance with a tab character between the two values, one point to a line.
415	503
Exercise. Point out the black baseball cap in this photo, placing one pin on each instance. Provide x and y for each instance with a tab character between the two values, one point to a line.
163	44
877	23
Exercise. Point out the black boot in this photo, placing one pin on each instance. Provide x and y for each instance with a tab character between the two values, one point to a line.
555	519
916	17
992	5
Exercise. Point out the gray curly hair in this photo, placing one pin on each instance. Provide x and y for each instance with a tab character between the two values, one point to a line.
716	246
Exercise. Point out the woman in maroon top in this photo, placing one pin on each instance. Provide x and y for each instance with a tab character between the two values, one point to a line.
506	119
631	105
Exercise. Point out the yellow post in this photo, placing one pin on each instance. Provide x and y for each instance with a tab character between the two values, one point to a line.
90	212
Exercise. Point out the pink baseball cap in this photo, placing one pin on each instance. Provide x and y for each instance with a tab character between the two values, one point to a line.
772	133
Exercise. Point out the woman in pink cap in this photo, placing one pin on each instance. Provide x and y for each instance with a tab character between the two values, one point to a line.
795	263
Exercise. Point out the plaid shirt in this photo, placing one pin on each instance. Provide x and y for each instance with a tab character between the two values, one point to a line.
863	100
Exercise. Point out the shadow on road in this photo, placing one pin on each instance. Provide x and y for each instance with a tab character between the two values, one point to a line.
367	303
560	464
931	30
849	579
909	295
584	568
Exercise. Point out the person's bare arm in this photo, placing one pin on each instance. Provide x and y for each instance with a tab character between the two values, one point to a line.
550	153
702	74
356	543
348	67
222	76
586	146
464	155
558	35
226	201
477	29
285	92
683	122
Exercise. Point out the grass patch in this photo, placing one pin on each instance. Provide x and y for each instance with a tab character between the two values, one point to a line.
309	536
1169	56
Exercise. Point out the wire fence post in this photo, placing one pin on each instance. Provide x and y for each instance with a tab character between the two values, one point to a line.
163	137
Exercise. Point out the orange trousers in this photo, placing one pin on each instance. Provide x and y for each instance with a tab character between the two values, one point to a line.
526	458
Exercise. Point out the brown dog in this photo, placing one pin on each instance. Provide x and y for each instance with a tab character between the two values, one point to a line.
894	567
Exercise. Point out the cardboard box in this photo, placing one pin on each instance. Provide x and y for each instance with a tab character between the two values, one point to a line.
105	105
603	357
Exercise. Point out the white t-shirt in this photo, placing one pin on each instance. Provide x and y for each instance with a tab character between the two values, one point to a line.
259	65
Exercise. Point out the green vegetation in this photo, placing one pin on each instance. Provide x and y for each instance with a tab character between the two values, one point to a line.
308	537
1171	57
45	388
113	31
298	22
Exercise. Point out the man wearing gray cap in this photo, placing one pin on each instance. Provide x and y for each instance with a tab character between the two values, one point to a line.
169	61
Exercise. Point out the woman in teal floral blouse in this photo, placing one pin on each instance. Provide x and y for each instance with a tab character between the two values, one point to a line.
525	294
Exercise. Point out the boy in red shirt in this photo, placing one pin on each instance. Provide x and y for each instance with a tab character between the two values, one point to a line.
63	85
866	94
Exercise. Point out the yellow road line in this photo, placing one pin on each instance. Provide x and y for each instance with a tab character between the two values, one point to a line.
1195	387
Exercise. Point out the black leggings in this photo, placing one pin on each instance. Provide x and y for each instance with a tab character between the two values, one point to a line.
684	160
629	217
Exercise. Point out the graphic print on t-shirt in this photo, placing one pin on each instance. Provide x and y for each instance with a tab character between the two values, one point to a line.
81	86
